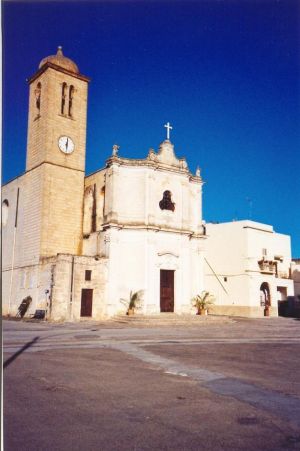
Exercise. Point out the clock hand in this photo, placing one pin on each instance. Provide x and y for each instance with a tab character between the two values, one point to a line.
67	142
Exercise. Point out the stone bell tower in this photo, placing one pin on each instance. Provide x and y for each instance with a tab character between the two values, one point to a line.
55	161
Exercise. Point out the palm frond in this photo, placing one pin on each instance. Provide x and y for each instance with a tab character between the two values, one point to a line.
203	301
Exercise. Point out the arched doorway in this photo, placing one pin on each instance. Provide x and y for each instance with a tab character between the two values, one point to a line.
265	297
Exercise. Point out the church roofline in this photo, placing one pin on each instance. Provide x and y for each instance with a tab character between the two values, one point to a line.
94	172
59	69
156	165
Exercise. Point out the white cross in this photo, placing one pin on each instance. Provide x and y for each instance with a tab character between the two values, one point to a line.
168	127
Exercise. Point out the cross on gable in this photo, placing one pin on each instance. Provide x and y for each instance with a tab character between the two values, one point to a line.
168	127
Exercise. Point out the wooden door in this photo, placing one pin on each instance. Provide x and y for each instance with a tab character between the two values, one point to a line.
86	302
166	290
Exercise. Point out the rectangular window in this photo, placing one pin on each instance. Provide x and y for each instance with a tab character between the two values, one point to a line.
31	281
23	279
88	274
264	252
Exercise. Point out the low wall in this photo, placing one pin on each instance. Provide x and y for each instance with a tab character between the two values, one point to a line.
235	310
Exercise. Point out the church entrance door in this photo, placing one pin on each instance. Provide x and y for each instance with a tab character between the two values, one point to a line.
86	302
166	290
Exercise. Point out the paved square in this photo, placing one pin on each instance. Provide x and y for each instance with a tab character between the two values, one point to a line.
210	385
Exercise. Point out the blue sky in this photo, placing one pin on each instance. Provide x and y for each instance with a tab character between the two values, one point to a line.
224	73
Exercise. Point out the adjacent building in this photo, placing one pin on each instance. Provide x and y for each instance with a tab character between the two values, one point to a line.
247	267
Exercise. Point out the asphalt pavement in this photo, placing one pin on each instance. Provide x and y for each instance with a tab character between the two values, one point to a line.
231	384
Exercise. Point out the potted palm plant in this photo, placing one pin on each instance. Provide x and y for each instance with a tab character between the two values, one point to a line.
202	302
134	301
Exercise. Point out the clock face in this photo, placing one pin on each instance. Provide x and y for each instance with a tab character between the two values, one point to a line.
66	144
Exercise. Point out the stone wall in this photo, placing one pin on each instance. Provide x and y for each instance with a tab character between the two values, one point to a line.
69	280
243	311
61	219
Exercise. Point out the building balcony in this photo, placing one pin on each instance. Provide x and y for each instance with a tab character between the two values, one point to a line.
271	267
267	266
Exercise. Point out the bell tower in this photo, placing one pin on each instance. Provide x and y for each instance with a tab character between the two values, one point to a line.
55	163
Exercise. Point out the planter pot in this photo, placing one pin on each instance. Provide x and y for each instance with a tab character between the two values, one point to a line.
201	311
267	311
130	312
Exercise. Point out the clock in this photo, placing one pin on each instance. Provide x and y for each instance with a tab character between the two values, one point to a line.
66	144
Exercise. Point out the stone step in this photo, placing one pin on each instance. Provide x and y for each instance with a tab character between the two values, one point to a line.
168	318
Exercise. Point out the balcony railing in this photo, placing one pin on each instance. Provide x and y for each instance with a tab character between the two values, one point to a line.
271	267
284	275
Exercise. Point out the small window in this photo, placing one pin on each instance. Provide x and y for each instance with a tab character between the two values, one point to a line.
264	252
31	281
225	279
23	279
5	207
166	202
88	274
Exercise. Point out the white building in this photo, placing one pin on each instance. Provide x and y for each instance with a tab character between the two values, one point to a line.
296	275
247	267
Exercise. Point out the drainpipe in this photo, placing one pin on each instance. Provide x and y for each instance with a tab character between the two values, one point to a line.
51	290
71	289
13	253
47	304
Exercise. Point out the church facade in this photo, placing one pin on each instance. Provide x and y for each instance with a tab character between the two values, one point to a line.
76	246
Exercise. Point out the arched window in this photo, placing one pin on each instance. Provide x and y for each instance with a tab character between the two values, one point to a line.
37	93
94	211
103	199
5	207
63	97
71	93
166	202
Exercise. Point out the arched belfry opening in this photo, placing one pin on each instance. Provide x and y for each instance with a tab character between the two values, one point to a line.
63	97
71	93
37	93
67	94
